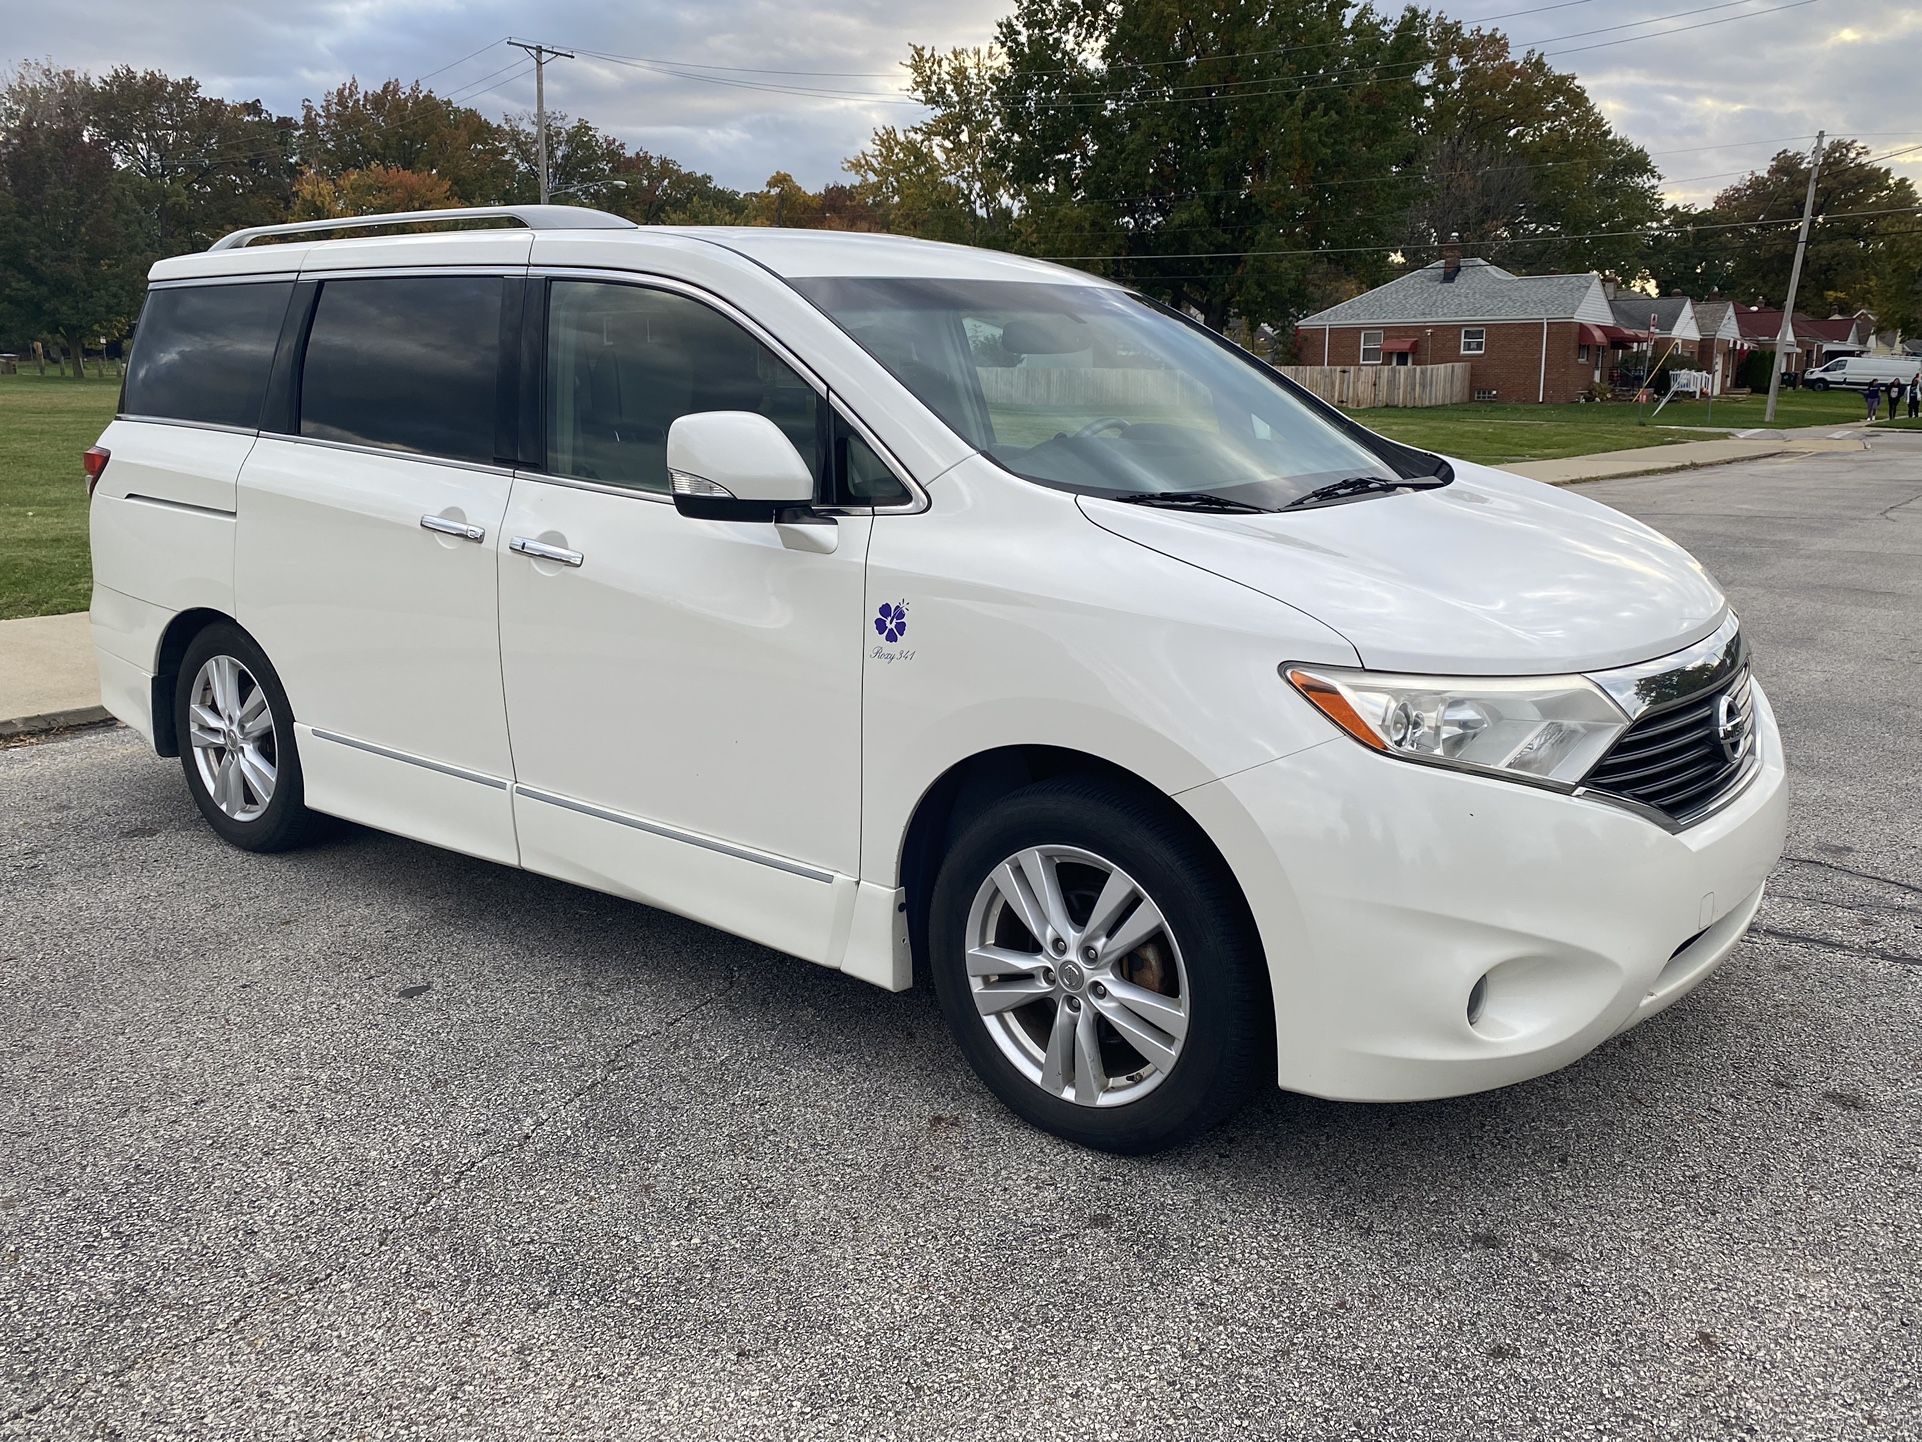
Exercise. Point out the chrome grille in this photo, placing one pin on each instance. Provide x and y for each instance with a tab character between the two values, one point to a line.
1684	757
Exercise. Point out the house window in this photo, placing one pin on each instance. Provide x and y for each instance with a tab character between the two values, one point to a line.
1371	347
1581	354
1484	395
1474	340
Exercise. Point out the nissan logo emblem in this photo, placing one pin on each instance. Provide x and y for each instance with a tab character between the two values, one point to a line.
1732	728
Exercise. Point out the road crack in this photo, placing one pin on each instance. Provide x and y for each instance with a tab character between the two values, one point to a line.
383	1237
1824	943
1851	871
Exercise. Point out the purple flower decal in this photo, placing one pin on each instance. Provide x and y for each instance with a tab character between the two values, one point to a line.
891	622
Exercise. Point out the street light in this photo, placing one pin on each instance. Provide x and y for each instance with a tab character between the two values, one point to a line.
561	190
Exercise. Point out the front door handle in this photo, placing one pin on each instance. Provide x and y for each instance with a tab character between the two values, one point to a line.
541	551
445	527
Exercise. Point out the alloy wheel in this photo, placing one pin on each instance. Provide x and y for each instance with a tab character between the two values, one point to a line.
1077	976
231	729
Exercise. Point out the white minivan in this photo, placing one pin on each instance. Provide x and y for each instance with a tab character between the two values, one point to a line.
909	608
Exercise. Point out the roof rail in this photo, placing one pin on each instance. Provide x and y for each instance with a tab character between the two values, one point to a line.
534	217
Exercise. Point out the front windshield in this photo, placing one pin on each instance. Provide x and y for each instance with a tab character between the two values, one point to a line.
1095	390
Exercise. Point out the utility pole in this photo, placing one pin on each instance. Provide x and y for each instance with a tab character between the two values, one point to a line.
542	54
1787	332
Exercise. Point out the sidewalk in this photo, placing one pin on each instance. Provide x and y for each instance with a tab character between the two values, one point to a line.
47	676
1650	460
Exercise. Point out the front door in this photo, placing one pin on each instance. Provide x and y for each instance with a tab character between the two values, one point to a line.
684	696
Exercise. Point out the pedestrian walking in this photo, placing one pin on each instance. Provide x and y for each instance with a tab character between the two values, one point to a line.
1895	397
1873	395
1915	397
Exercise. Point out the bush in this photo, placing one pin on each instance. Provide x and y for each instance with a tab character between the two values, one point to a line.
1753	373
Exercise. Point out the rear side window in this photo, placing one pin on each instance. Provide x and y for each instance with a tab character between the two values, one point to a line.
407	363
202	353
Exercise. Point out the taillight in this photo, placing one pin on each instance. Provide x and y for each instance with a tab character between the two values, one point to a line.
95	460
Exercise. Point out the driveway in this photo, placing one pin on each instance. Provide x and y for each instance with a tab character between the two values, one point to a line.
374	1141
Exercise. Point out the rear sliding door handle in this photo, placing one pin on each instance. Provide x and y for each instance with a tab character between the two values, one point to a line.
541	551
445	527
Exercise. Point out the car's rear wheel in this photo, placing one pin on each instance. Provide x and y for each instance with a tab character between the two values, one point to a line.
238	750
1098	967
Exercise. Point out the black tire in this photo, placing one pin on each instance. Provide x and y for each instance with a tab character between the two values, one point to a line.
1818	385
284	822
1228	1044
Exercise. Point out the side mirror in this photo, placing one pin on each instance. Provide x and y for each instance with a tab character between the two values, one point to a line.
734	466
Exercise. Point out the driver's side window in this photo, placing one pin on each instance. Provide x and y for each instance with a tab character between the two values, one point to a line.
624	362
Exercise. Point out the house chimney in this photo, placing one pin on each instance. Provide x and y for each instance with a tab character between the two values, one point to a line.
1609	286
1452	257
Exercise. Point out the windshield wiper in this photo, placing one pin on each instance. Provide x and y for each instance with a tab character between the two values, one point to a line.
1186	501
1363	486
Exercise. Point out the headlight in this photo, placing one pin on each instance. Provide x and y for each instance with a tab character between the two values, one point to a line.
1542	728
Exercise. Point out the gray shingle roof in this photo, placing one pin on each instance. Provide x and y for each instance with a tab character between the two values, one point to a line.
1709	316
1482	291
1633	311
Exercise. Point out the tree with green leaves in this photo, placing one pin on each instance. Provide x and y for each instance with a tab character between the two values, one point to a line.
196	166
72	254
943	178
580	159
1207	154
1513	149
660	191
405	127
1857	250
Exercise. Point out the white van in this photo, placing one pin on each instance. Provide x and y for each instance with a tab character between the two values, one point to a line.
1858	372
905	607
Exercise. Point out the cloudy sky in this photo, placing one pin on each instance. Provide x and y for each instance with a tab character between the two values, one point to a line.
1708	102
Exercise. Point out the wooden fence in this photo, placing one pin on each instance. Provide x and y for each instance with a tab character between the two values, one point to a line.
1358	387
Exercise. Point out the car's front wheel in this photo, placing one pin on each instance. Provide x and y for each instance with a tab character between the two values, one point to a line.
237	743
1098	966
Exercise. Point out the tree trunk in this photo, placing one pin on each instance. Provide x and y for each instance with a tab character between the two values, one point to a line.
73	353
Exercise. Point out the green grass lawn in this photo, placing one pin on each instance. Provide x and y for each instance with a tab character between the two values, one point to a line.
1498	434
45	423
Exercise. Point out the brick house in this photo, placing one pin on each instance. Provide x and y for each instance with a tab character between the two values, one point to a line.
1720	349
1525	337
1760	328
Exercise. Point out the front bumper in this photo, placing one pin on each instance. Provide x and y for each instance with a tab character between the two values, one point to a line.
1385	891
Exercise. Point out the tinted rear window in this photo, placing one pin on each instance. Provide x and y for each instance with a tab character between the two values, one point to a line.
406	363
202	352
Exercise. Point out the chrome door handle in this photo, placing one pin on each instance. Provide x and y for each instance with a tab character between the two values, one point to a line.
541	551
445	527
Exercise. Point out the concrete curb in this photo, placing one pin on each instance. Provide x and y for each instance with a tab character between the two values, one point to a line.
41	725
53	721
1636	472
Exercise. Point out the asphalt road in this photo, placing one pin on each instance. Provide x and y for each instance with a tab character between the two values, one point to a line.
378	1142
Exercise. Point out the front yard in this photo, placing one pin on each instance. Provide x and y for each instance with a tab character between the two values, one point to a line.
1500	434
45	423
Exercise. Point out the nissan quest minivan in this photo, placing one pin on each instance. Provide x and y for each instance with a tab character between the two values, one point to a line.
904	606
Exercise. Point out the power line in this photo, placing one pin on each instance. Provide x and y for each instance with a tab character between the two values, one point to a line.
1378	73
1132	65
460	91
452	63
1227	86
520	74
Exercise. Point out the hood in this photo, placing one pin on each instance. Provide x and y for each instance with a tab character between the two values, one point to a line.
1490	575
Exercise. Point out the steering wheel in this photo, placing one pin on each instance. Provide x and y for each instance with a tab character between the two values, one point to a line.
1101	423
